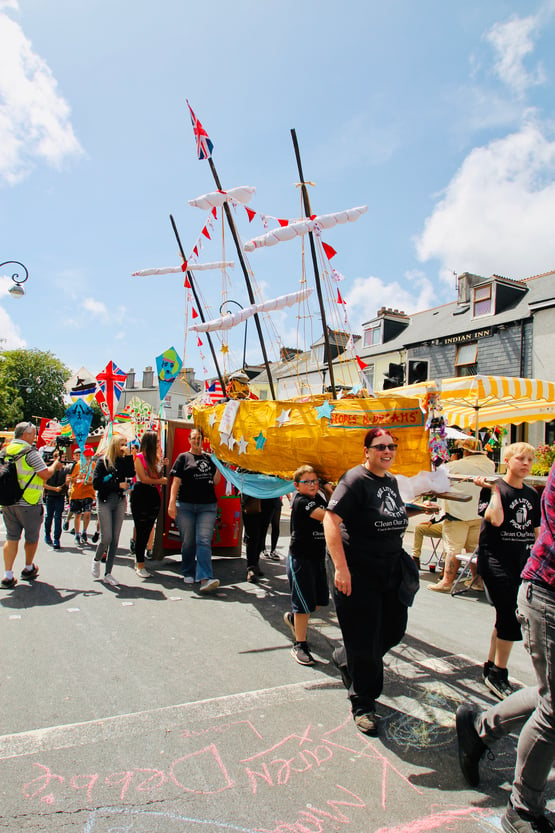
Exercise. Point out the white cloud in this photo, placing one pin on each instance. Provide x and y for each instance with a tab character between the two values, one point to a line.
513	41
34	118
370	294
95	307
496	215
10	337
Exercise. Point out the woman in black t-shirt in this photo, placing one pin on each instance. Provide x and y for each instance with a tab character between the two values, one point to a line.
364	527
193	505
510	527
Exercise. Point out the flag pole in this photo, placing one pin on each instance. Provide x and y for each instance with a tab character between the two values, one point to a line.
231	224
199	305
308	213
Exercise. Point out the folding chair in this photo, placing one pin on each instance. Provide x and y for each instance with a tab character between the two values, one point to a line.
465	561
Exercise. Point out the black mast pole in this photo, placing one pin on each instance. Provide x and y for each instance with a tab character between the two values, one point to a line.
199	305
308	213
252	299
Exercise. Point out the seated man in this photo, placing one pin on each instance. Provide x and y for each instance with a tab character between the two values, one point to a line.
431	529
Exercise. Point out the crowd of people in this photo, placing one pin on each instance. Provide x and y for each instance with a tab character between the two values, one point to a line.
360	523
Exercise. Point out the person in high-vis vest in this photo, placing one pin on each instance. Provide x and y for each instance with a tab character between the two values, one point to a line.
26	514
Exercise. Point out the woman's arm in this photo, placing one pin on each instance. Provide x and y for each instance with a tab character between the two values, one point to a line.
143	476
172	508
334	543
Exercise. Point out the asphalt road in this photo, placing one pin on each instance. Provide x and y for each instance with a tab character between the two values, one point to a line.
152	709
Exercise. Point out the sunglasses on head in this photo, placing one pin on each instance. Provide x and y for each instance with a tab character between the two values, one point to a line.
384	446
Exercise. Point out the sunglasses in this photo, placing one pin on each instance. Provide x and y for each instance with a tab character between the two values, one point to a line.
384	447
308	481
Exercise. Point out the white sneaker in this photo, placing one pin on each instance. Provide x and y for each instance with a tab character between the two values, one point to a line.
188	580
109	579
142	572
95	569
208	585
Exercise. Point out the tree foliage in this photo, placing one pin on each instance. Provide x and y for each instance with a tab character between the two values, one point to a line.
31	385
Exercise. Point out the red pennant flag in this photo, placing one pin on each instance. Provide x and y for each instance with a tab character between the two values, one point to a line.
195	251
360	363
329	250
199	342
215	213
339	298
195	313
186	284
184	266
206	233
283	223
250	214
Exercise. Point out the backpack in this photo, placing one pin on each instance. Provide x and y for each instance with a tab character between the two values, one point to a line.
10	490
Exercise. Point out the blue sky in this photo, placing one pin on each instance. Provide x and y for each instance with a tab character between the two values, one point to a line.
438	116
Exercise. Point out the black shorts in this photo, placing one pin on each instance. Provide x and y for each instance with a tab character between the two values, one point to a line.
308	582
502	586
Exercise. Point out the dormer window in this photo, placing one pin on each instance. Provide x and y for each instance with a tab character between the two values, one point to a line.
483	300
373	335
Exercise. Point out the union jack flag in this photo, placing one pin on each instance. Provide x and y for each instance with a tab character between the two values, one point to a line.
111	381
214	391
204	145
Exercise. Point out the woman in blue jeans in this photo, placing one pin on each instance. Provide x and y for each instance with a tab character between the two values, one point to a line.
110	481
193	506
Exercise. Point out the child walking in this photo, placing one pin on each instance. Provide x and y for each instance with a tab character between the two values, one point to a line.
306	561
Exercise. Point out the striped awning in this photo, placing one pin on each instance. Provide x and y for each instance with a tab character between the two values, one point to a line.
484	401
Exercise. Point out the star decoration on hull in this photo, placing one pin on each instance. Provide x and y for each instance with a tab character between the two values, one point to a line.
243	446
325	410
260	440
283	417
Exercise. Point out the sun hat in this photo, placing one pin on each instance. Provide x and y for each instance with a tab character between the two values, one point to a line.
470	444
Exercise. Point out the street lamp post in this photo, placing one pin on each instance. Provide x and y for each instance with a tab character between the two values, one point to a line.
17	290
231	301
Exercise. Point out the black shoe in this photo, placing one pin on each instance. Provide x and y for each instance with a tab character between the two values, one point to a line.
519	821
48	540
148	555
132	546
9	582
498	682
29	574
95	537
251	575
471	746
56	545
301	653
367	723
488	665
256	570
65	526
84	539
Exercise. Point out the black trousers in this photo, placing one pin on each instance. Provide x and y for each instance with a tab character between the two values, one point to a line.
254	530
145	506
372	621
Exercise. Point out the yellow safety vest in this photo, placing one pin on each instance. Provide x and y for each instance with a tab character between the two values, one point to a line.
33	491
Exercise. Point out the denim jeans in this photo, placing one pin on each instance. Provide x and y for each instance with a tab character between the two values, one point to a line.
196	522
54	510
111	513
531	708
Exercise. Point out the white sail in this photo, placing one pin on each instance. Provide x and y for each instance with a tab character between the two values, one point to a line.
226	322
194	267
297	229
242	194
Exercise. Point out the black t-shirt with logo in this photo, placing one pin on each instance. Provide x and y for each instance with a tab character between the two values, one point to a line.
510	543
307	534
374	521
196	472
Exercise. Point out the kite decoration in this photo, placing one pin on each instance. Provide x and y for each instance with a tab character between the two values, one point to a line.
168	365
80	417
111	382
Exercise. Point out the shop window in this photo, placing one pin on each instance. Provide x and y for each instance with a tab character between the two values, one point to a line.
368	374
466	362
483	300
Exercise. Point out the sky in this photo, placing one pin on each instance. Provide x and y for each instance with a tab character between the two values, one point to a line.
437	116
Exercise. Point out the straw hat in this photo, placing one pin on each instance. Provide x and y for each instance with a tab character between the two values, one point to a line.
470	444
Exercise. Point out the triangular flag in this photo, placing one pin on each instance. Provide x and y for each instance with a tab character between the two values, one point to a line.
194	313
339	298
329	250
360	363
195	251
184	266
186	284
283	222
250	214
215	213
205	232
199	342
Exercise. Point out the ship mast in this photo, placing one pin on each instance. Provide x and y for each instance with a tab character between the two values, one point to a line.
308	213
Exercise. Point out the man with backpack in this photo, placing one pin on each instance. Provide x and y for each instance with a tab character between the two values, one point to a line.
25	513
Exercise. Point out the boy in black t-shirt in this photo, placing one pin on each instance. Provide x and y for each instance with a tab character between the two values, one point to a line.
306	563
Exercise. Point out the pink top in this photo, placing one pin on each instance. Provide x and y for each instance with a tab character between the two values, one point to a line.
141	456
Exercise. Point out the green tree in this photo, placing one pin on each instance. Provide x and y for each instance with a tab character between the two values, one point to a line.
31	385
